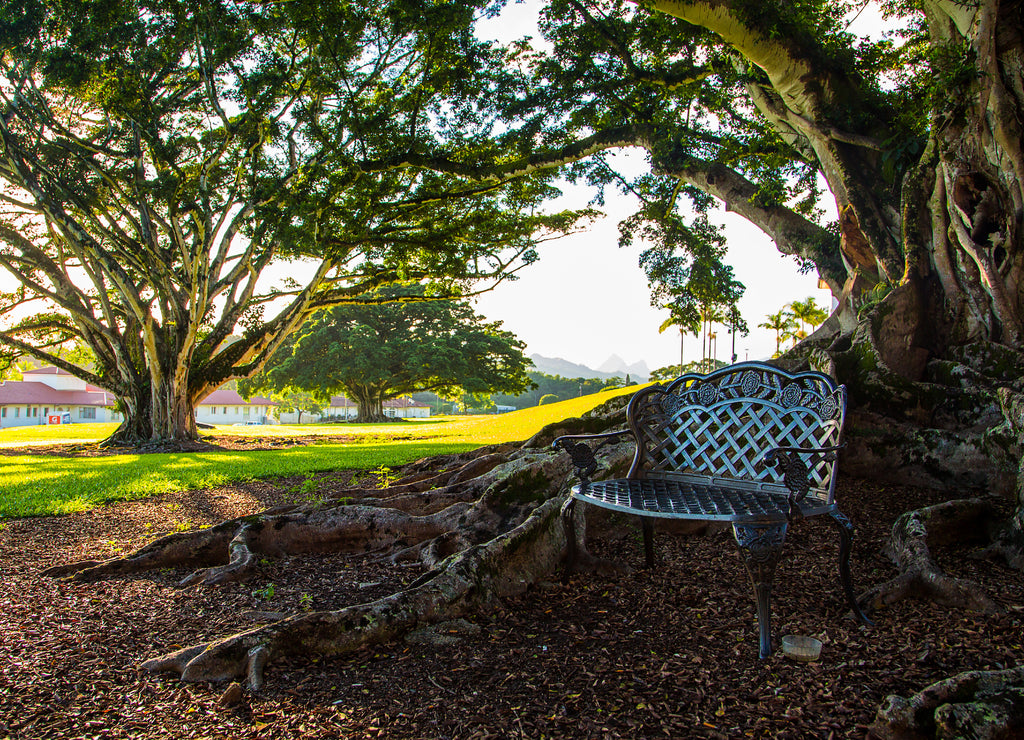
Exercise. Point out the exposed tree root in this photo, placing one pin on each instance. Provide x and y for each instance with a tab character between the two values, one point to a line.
975	704
920	577
500	567
484	528
331	529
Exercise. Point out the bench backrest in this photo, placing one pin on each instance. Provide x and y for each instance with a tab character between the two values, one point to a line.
721	424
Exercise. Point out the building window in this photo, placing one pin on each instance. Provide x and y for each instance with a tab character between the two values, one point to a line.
225	411
213	410
17	411
86	412
3	412
245	411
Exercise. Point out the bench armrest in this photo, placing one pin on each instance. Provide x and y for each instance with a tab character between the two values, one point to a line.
795	472
583	460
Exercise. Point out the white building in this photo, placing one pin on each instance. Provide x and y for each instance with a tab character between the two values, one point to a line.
49	395
225	406
396	408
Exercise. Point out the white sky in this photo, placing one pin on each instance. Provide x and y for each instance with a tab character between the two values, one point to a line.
587	299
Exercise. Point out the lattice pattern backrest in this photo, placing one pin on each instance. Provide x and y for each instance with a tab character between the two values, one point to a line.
722	423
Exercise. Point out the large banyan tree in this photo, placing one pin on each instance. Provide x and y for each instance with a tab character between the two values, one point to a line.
916	137
181	183
912	140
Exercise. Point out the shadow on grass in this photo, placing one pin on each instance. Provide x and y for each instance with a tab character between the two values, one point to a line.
41	485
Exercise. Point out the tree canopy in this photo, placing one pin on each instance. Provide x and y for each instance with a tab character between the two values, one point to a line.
379	351
156	158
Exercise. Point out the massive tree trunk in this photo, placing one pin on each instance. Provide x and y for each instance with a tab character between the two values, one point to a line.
369	402
157	410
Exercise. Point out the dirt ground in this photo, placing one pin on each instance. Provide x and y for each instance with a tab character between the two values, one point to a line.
670	652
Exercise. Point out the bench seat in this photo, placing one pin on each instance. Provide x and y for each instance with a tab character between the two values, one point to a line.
706	499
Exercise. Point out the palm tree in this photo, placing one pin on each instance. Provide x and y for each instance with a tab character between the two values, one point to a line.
807	312
686	326
780	322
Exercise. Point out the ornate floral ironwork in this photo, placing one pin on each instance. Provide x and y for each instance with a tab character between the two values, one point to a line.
828	407
707	394
671	403
795	476
790	396
760	544
750	383
582	456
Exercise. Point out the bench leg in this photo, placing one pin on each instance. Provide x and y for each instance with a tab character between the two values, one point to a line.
648	526
569	526
761	547
845	527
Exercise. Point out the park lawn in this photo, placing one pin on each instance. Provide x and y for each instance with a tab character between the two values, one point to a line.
34	485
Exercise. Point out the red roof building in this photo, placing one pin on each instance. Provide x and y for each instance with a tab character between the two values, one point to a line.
51	395
225	406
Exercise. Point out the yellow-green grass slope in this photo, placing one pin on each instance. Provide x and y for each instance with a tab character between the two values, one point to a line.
33	485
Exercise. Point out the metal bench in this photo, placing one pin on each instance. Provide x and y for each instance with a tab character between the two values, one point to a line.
748	444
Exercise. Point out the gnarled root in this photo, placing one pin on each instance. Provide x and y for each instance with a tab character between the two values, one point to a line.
920	577
981	704
202	547
330	529
490	531
503	566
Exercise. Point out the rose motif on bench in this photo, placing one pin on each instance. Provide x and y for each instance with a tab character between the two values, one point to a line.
828	408
750	383
671	403
790	395
707	394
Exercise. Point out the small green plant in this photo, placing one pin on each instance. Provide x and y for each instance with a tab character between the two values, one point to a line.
183	526
385	476
308	490
266	593
306	602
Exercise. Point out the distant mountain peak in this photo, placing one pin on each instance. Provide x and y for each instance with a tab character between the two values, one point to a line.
557	366
617	366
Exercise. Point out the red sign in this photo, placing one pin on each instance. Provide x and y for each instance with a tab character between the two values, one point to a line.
53	419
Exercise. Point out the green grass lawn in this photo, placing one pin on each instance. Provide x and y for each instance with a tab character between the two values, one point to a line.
32	485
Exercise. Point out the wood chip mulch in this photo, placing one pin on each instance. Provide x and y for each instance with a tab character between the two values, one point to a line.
670	652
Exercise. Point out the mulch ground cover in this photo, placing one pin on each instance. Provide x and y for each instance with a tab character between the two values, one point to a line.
669	652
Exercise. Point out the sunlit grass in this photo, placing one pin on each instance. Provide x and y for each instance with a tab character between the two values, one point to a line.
44	484
55	434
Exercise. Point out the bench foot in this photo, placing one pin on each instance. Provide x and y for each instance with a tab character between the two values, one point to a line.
761	547
845	527
568	514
